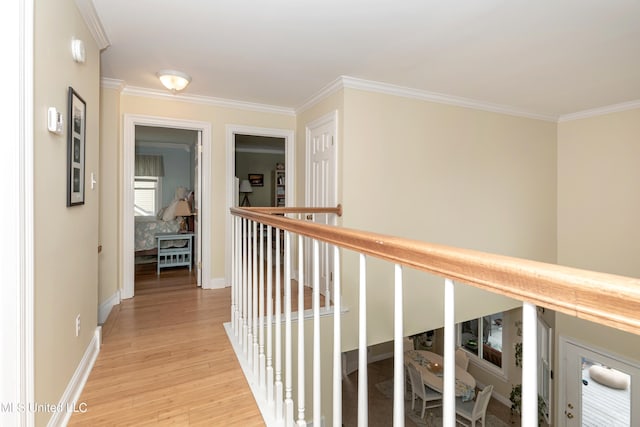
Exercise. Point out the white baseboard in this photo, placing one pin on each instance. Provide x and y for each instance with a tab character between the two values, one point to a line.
105	307
69	401
216	283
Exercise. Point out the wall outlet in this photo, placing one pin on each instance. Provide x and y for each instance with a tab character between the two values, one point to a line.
78	325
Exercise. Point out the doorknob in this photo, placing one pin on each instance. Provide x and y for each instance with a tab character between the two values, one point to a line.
570	406
570	415
309	217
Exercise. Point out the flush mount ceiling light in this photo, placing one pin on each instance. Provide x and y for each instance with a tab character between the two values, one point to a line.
173	80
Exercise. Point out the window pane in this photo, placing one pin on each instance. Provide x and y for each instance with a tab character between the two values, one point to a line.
492	339
469	336
145	196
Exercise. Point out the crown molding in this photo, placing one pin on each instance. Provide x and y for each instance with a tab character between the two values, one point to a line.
325	92
112	84
440	98
601	111
88	12
207	100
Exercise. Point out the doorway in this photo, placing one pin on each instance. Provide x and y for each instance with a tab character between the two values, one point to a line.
166	201
202	246
233	184
597	388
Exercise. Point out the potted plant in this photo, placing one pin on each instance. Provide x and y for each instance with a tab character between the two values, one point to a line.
516	391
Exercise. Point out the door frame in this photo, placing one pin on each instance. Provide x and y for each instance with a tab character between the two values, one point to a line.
289	147
620	361
127	248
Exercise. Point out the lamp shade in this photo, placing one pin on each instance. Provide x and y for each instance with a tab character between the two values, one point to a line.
182	208
173	80
245	186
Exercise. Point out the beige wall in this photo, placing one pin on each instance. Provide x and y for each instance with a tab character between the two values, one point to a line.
66	238
598	211
110	184
447	175
219	117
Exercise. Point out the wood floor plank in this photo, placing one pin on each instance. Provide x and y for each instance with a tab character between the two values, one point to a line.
166	360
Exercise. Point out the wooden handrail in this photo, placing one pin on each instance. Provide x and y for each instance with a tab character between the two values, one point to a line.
603	298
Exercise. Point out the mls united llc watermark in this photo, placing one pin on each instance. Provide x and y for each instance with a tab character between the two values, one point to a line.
7	407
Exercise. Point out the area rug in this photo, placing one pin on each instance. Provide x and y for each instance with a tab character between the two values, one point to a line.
432	417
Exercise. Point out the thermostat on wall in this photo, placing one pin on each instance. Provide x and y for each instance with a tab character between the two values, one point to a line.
54	120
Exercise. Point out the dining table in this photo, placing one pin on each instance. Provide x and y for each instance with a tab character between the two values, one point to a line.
430	365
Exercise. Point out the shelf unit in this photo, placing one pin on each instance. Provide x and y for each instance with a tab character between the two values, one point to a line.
278	188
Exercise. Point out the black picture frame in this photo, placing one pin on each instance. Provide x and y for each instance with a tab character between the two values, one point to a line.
256	179
76	142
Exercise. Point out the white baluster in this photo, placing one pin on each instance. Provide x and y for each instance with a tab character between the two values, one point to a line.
398	351
288	399
261	355
337	340
529	365
278	352
449	391
233	274
249	295
317	409
270	270
363	404
238	275
327	271
245	286
255	299
301	372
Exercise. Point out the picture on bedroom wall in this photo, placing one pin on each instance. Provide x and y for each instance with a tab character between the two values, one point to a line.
75	148
256	179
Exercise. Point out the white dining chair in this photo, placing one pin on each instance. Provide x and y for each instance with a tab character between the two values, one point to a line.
428	395
474	411
462	359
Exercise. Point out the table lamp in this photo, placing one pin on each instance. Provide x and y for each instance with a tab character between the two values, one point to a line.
183	210
245	189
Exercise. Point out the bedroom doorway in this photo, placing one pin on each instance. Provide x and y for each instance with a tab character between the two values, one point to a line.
166	198
200	156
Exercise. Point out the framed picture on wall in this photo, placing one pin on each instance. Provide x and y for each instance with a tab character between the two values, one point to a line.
77	116
256	179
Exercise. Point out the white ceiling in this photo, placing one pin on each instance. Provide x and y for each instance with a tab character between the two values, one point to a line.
544	57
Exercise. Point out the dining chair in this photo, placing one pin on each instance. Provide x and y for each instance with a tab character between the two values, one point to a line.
462	359
428	395
474	411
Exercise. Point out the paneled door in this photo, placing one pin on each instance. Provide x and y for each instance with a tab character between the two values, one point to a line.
321	190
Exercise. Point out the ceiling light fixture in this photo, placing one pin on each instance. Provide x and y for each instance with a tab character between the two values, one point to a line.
173	80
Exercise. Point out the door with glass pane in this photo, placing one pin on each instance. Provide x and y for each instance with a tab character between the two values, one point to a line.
597	389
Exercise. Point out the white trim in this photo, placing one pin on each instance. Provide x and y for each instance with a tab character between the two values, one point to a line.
17	168
217	283
372	86
207	100
105	307
327	119
69	400
90	17
108	83
126	214
289	143
601	111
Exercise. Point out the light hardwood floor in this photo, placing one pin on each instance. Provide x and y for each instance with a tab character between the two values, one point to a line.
166	360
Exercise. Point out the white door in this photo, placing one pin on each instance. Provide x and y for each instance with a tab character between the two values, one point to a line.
321	190
597	389
197	180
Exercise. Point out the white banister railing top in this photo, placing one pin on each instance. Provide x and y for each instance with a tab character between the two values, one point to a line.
607	299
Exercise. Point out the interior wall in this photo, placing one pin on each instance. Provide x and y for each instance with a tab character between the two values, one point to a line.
66	238
110	183
447	175
598	211
219	117
261	163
